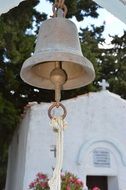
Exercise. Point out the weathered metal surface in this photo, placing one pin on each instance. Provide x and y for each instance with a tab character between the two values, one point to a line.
57	41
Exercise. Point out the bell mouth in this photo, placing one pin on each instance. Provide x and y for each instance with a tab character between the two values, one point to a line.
73	71
36	70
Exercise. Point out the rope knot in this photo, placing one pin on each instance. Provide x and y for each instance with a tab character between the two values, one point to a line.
58	124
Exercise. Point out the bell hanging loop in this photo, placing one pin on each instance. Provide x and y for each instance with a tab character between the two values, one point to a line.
57	7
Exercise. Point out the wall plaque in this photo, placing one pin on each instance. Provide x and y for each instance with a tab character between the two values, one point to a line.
101	157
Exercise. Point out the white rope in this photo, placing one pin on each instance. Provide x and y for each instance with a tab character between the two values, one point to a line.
58	125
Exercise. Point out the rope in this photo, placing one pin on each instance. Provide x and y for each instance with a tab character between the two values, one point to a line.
58	125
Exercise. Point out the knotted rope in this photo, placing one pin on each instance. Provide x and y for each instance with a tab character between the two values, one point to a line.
58	124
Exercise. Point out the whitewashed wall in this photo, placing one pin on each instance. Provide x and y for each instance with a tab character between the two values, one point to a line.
95	120
17	156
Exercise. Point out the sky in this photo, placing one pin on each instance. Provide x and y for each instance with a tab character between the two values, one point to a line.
113	25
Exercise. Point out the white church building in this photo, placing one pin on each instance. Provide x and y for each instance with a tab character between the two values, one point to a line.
94	143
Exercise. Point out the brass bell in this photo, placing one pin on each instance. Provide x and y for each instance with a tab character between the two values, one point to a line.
57	41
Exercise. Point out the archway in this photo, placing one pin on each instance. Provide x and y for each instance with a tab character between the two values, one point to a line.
102	160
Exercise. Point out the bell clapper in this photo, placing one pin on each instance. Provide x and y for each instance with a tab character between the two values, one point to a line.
58	77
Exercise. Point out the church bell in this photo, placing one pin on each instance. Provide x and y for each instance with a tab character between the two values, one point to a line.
58	46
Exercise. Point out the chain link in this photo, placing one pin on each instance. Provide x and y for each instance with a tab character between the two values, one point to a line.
57	105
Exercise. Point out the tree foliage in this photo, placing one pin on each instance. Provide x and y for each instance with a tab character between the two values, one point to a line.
17	35
114	65
8	123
